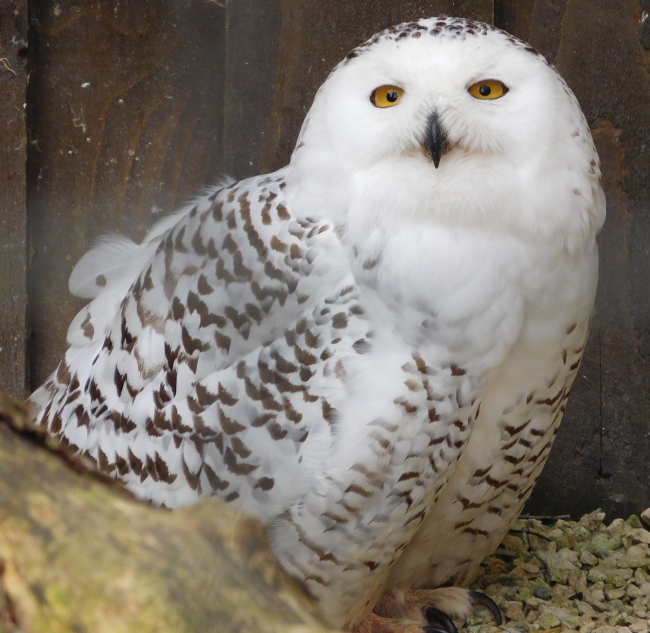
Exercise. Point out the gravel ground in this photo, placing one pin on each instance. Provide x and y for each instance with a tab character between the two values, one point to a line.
558	576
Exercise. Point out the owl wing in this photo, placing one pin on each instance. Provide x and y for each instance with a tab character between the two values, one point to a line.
204	355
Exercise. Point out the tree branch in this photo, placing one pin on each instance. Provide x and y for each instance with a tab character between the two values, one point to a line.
79	554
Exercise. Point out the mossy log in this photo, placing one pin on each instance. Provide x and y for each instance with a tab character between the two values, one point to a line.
79	554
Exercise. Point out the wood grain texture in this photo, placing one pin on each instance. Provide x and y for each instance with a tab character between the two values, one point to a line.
178	92
252	41
125	117
13	212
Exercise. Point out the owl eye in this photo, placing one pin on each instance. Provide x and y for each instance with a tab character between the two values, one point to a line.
386	96
488	89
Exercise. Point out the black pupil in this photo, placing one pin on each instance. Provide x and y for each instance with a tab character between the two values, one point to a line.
392	96
484	90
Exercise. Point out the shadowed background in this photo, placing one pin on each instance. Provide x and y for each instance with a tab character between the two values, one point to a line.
116	112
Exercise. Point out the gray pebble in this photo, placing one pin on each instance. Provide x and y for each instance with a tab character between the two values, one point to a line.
542	592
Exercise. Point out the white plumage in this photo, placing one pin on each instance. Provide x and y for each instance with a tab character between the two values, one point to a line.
370	349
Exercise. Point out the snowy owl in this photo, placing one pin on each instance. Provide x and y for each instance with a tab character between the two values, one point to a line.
370	349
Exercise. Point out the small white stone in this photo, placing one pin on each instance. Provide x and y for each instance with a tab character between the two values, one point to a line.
639	535
585	608
614	594
645	516
605	629
588	558
616	527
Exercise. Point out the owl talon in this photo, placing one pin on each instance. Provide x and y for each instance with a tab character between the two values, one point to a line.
480	599
439	620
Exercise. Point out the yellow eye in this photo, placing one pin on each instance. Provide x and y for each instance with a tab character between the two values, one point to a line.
488	89
386	96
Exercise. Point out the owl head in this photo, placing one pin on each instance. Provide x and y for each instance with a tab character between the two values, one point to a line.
454	121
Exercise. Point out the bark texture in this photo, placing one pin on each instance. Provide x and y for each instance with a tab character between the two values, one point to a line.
79	554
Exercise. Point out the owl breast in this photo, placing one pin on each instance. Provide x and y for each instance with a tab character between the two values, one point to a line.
522	401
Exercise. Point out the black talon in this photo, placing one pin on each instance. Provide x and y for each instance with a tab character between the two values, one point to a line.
440	620
485	601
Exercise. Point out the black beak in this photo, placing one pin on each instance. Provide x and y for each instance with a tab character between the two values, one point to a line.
435	140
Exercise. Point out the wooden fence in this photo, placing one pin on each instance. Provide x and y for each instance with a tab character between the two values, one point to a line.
113	112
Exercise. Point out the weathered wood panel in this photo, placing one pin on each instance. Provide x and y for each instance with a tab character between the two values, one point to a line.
252	40
125	117
13	214
173	84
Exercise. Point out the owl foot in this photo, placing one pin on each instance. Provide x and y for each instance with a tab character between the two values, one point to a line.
426	611
440	622
481	600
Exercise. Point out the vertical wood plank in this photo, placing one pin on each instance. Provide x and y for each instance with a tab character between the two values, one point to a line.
536	21
125	117
482	10
13	217
252	40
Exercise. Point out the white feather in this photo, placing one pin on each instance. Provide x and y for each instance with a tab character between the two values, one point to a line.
111	260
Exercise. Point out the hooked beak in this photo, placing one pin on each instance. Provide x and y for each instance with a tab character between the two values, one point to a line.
435	140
